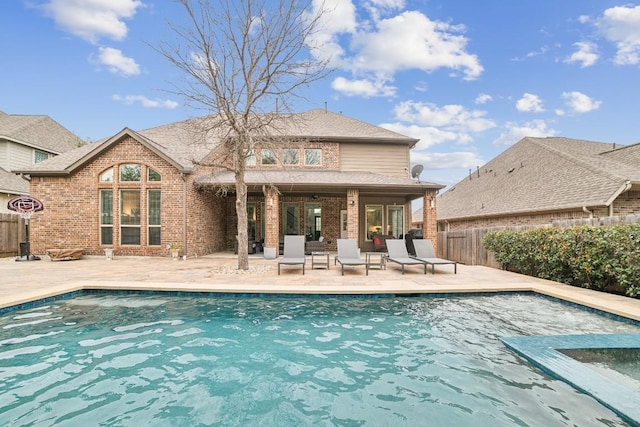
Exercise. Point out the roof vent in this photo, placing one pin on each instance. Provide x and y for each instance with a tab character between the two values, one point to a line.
511	170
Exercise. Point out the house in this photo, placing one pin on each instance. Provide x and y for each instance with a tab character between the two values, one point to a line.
26	140
541	180
326	176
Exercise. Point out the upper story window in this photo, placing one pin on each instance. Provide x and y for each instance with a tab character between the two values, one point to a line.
290	156
40	156
312	156
269	157
107	176
153	175
250	160
130	173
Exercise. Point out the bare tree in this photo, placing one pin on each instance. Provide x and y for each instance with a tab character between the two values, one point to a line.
245	61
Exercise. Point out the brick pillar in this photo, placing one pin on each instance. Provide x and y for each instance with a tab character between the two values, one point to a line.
353	207
272	219
429	220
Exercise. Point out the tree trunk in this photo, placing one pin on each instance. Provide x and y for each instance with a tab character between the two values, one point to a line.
241	212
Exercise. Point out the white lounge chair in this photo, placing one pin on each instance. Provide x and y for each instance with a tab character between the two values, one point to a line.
293	252
398	254
425	253
348	255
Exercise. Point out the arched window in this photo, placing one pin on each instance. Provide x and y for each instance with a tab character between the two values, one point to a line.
133	214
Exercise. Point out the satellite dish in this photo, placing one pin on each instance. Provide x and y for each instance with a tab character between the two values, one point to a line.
416	171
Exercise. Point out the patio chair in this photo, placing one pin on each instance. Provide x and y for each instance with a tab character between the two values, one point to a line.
425	253
398	254
348	255
293	252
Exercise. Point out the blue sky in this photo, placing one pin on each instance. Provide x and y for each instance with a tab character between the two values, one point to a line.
469	78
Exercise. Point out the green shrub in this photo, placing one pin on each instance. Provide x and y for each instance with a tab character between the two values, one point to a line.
601	258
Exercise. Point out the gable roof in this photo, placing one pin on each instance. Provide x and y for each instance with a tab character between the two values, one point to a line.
186	142
543	174
41	132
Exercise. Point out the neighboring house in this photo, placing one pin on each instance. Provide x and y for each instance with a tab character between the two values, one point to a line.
327	176
539	180
24	141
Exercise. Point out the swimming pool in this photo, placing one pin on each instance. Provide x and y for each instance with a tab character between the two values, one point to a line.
167	361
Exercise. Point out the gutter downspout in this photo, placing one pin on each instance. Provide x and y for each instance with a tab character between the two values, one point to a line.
584	209
624	188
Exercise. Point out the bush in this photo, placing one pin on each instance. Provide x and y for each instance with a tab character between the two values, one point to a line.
601	258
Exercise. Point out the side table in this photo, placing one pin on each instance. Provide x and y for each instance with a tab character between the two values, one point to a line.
320	259
376	260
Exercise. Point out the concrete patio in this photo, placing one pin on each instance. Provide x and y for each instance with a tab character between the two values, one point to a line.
22	282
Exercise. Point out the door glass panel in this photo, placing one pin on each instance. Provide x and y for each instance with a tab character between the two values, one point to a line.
251	221
395	221
373	221
290	219
313	221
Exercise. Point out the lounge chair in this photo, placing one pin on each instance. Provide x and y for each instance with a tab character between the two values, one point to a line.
348	255
293	252
425	253
398	254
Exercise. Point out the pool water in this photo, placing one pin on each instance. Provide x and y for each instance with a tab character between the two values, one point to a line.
159	360
625	362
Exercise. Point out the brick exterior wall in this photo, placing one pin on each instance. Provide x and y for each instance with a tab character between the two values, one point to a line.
73	221
198	220
627	203
429	223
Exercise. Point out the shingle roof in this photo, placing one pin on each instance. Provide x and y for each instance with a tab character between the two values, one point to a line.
189	140
542	174
37	131
12	184
325	179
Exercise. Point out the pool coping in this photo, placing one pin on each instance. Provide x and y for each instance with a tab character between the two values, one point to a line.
542	352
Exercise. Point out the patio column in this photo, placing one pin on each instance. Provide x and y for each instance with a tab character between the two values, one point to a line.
429	220
353	207
272	219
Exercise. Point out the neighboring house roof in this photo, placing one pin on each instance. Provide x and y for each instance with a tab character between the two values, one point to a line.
41	132
184	143
543	174
13	184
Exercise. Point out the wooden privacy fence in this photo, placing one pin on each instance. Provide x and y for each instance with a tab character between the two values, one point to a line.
11	234
465	246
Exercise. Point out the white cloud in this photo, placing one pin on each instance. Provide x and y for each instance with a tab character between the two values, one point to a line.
621	25
412	41
483	98
364	88
428	135
145	102
449	116
338	17
117	62
586	54
91	20
377	42
460	159
578	102
530	103
514	132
